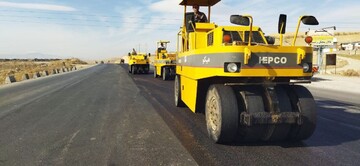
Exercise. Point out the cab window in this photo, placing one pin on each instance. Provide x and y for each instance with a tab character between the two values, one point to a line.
231	36
256	37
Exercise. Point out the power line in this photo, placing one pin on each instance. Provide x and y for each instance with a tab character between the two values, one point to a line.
115	22
85	25
83	14
129	26
88	20
117	16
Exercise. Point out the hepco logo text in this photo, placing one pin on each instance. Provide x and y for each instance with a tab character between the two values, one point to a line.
272	60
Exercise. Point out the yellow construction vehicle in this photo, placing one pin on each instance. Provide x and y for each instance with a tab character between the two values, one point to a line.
138	62
164	63
242	81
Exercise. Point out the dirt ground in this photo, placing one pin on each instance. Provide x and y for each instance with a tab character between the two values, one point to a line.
18	68
345	66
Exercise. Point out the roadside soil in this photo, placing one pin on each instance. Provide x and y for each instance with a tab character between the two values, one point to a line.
18	68
345	67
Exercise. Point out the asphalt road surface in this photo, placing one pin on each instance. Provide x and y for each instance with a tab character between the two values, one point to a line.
95	116
105	116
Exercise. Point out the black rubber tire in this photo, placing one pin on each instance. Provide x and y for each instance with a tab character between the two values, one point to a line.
250	100
172	73
146	69
132	70
155	75
279	132
303	102
165	73
177	92
221	112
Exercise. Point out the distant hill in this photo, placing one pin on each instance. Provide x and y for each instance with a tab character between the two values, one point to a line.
30	56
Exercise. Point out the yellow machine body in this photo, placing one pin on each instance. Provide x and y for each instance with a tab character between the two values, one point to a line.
140	58
138	63
241	81
204	52
164	62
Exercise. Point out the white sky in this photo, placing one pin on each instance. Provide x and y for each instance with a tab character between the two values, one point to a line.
95	29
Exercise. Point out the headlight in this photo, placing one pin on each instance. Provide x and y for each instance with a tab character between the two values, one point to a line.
232	67
306	68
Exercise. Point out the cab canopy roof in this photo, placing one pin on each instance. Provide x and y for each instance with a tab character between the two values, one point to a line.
199	2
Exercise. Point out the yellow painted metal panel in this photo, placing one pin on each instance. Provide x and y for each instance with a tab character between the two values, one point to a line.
201	40
204	26
159	66
202	72
139	59
188	92
253	49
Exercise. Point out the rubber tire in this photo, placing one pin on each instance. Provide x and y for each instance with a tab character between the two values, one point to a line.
221	100
280	132
165	73
155	75
146	70
251	101
172	73
132	70
177	92
303	101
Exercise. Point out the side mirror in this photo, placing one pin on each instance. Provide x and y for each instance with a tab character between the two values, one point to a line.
270	40
309	20
129	54
239	20
282	24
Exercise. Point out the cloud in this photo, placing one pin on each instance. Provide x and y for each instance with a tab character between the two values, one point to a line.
37	6
167	6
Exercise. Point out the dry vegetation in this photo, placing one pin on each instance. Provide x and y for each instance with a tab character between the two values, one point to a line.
18	68
339	64
350	72
355	57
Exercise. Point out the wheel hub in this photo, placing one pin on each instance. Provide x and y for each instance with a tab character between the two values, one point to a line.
213	113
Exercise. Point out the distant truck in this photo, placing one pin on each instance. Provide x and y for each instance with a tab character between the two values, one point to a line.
138	62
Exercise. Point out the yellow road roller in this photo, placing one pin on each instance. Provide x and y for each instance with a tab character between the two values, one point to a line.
138	62
165	62
247	87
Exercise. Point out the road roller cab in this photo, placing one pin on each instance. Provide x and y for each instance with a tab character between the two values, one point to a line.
138	62
164	63
244	83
